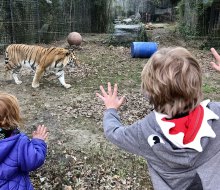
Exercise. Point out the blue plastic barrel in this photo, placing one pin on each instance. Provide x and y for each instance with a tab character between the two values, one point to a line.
143	49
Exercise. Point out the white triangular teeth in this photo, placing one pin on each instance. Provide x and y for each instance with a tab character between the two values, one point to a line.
204	131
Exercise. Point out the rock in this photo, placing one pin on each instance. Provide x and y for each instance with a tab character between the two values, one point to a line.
126	33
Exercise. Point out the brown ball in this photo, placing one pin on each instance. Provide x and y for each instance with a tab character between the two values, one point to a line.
74	38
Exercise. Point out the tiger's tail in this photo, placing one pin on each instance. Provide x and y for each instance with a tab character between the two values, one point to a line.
7	66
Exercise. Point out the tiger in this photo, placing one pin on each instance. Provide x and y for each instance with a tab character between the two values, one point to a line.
39	59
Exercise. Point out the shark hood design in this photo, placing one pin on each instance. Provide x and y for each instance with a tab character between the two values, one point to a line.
186	132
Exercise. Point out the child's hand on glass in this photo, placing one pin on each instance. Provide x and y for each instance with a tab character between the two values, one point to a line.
40	133
110	99
217	57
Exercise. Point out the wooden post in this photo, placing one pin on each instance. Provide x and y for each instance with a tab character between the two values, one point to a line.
38	21
12	22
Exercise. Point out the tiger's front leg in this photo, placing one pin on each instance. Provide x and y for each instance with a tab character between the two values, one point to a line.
15	73
37	76
61	78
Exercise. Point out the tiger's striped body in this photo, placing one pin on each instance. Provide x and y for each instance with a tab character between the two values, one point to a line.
39	59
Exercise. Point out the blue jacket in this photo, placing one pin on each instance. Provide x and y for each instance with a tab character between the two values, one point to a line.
18	156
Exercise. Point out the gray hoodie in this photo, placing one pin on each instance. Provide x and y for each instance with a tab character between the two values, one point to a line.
182	153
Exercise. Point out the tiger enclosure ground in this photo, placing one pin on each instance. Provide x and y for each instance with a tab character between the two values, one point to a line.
79	157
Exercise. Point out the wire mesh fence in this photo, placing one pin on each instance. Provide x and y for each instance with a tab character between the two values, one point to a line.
41	21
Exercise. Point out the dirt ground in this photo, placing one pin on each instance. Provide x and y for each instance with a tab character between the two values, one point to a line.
79	156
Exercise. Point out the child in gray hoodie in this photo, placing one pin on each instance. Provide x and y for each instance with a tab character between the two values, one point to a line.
180	138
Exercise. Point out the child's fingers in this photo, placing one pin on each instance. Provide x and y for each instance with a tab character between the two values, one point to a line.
216	55
215	66
38	129
103	91
100	96
41	129
115	92
44	130
109	89
121	100
34	133
213	63
45	135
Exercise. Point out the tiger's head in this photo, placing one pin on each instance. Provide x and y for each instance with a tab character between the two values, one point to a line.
72	60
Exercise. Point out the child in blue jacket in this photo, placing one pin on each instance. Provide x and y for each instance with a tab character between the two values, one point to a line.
180	138
18	154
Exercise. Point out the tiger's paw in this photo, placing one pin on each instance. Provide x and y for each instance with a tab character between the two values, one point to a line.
18	82
35	85
67	85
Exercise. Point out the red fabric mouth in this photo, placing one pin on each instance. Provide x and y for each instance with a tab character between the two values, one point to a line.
189	125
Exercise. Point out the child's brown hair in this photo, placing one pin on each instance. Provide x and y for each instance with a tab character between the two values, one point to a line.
172	79
10	115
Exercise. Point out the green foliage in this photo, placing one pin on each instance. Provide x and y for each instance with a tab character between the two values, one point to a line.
49	22
158	2
192	20
118	11
208	89
101	15
142	36
207	3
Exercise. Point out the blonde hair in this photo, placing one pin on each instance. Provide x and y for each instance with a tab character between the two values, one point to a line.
172	79
10	116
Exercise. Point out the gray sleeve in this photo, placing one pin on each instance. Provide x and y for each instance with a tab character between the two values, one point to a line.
215	107
125	137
